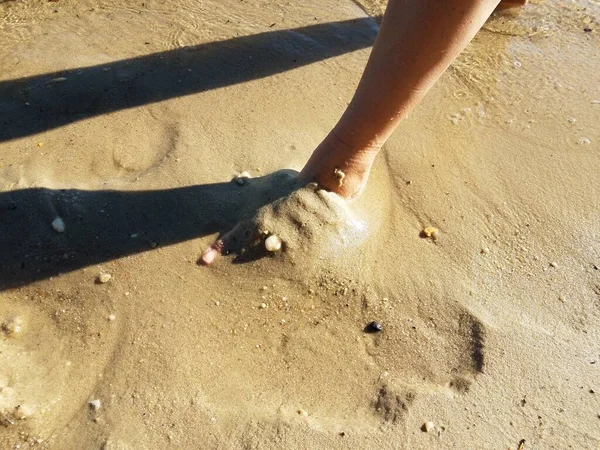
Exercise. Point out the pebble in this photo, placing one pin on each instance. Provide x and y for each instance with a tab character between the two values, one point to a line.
111	317
263	306
584	141
485	251
553	264
273	243
373	327
95	404
104	278
428	426
59	225
302	412
13	326
242	178
430	232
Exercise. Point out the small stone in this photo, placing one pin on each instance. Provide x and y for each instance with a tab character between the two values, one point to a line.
485	251
373	327
587	30
111	317
59	225
584	141
12	326
242	178
572	120
263	306
428	426
217	303
273	243
302	412
430	232
562	298
104	278
553	264
95	404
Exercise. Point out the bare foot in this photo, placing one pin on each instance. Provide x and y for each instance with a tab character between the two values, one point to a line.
334	167
308	224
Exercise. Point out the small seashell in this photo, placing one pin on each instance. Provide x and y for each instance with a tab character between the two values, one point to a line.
428	426
95	404
59	225
339	175
430	232
584	141
273	243
104	278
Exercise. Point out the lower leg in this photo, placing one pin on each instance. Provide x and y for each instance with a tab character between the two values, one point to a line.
417	41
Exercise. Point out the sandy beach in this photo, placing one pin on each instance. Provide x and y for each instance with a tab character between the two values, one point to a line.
123	127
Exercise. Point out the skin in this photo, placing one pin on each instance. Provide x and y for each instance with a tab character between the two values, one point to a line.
417	41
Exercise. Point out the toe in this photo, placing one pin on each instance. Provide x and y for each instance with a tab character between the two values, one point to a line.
211	253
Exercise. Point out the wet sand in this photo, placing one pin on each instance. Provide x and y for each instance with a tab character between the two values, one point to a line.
129	121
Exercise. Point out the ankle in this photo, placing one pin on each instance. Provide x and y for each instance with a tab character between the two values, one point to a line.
340	167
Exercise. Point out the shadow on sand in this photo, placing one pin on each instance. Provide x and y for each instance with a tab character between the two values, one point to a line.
104	225
34	104
99	224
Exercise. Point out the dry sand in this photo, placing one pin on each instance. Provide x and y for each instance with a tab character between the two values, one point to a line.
129	119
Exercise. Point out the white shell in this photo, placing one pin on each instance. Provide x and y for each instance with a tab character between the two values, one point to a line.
273	243
104	277
59	225
429	426
95	404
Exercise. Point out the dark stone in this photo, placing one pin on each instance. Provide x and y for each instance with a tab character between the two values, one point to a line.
373	327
